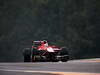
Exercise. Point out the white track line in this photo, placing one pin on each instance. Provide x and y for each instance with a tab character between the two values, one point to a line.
52	72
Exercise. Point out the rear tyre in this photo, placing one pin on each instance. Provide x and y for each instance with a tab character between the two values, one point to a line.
27	55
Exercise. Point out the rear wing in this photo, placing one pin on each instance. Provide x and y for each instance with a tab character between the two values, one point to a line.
38	43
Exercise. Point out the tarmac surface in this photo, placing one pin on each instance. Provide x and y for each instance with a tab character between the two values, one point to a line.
73	67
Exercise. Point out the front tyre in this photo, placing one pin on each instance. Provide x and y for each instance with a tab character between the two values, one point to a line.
65	58
64	55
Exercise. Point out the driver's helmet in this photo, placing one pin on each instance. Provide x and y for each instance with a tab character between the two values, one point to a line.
45	41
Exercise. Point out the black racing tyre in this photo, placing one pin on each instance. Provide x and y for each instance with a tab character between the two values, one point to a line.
27	55
64	55
55	60
65	58
64	51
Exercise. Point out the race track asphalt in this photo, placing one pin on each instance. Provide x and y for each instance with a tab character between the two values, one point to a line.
73	67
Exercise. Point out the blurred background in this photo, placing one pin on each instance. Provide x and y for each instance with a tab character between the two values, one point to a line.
70	23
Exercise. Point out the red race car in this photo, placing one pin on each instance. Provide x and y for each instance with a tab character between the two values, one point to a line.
41	51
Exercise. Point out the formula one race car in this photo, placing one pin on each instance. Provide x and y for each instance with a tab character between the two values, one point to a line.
41	51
